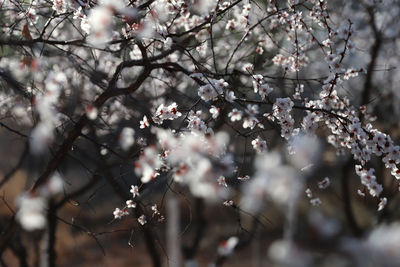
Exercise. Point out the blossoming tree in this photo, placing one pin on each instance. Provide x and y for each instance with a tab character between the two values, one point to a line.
246	106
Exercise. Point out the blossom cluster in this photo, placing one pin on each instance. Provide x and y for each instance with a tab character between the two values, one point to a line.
212	90
166	113
282	108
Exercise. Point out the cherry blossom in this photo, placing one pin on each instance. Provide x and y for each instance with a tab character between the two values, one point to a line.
142	220
166	113
118	214
214	112
235	115
212	90
135	191
145	122
259	145
230	96
130	204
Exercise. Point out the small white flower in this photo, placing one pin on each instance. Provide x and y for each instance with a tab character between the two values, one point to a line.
230	25
382	203
60	6
118	213
142	220
248	67
135	191
130	203
235	115
344	32
145	122
252	110
230	96
395	172
214	112
264	90
212	90
85	26
250	122
166	113
259	144
327	42
375	189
